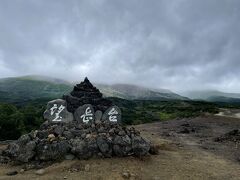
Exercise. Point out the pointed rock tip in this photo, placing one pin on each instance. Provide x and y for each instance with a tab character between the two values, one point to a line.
86	79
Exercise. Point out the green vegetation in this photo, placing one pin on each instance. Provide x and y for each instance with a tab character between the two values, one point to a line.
22	118
225	100
15	121
143	111
229	105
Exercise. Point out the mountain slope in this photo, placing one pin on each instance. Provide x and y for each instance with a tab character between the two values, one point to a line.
213	96
44	78
23	89
224	99
128	91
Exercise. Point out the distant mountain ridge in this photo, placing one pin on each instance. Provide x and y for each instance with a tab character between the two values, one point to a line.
128	91
25	88
224	99
213	96
43	78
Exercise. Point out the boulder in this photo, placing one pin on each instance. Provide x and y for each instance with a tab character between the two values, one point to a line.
12	150
105	146
112	115
140	146
4	159
80	149
77	132
27	152
57	112
98	115
42	134
12	173
58	130
122	145
23	150
84	114
24	139
92	146
68	135
52	151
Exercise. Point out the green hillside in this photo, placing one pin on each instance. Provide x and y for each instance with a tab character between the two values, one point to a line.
19	90
28	88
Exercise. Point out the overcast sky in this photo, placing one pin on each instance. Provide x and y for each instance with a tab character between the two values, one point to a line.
174	44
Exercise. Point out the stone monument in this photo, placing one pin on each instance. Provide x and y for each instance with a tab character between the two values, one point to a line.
82	124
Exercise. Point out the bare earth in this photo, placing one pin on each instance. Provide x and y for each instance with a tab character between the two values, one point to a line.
235	113
188	150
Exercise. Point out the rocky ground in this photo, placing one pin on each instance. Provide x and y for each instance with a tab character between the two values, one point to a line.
235	113
54	142
199	148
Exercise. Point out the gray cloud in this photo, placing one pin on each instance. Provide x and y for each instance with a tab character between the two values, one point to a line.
179	44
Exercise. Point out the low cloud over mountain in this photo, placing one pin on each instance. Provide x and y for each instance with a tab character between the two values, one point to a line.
178	45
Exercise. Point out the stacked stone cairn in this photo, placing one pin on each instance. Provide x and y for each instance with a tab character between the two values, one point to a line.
83	125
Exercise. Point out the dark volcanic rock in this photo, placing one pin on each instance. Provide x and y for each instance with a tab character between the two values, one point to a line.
80	148
140	146
12	150
92	146
233	136
12	173
68	135
27	152
105	146
22	150
4	159
52	151
24	139
104	139
58	130
86	93
84	114
122	145
42	134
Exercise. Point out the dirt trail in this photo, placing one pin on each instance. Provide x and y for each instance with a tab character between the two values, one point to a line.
182	156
